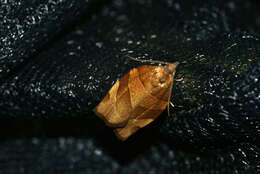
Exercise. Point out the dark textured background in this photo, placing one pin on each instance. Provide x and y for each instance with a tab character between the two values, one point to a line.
59	58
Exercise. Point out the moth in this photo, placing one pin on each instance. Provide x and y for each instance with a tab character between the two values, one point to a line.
137	98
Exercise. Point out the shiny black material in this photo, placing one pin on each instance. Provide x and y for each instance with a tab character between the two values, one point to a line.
59	58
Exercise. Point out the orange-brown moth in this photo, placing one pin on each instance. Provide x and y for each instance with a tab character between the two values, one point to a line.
137	98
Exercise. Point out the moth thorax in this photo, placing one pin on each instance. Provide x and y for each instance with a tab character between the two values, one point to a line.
160	77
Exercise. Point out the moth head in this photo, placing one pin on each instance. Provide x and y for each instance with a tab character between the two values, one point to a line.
171	68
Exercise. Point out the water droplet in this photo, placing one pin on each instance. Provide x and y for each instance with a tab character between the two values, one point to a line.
153	36
99	44
130	42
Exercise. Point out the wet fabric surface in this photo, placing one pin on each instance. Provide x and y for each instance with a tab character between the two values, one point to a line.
58	59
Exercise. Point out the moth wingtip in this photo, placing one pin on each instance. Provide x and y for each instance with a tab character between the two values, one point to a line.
109	122
120	136
100	115
95	111
115	124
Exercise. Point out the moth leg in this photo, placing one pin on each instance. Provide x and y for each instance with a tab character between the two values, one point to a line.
172	104
179	80
168	109
174	114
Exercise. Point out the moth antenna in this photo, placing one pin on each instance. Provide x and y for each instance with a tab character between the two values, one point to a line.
150	61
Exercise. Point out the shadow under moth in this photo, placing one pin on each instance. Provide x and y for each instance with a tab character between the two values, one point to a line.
137	98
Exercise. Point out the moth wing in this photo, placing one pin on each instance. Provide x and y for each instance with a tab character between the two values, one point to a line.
143	114
112	109
115	109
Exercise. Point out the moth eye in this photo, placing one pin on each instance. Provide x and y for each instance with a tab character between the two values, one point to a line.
162	80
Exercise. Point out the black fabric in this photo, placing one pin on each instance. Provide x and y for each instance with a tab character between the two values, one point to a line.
59	58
